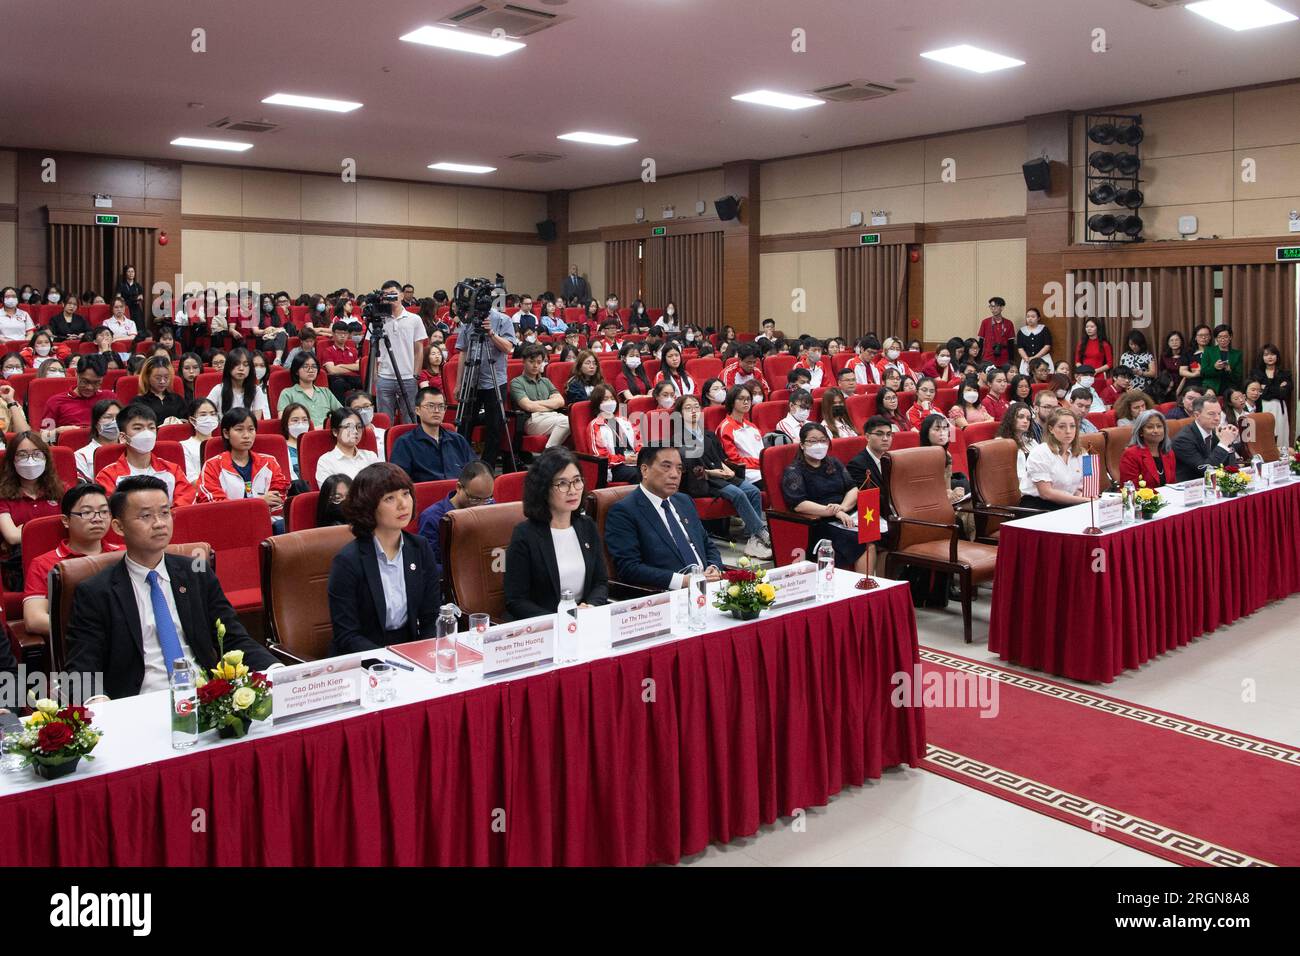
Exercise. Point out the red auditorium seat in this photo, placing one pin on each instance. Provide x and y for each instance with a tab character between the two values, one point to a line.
765	415
776	367
509	487
318	442
273	445
105	455
235	529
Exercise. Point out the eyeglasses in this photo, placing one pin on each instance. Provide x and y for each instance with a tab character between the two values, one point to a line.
100	513
568	484
430	407
338	499
475	500
356	429
29	456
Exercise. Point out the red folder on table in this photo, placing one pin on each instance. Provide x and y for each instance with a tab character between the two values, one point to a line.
423	654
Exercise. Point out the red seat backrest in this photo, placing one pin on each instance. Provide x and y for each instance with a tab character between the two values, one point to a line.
176	433
127	389
40	391
641	405
39	536
772	463
1104	419
905	400
205	383
839	360
910	439
860	408
235	529
301	514
980	431
269	426
428	493
560	373
913	360
105	455
765	415
713	416
509	487
273	445
776	367
392	434
20	384
845	449
702	369
579	422
74	438
945	399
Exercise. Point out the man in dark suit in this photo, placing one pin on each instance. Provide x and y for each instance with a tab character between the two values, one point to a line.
132	620
575	288
1208	440
655	533
880	435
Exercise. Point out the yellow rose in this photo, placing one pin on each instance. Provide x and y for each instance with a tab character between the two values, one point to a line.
243	698
1146	494
766	591
231	657
744	562
47	706
37	719
734	590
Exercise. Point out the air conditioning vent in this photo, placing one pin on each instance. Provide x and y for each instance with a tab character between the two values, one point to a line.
511	18
854	91
535	157
243	126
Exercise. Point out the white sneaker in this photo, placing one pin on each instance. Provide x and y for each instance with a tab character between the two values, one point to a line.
755	548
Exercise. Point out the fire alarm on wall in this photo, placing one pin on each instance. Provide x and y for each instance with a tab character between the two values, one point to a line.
162	238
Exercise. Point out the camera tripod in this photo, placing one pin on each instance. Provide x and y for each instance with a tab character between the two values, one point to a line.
467	391
379	337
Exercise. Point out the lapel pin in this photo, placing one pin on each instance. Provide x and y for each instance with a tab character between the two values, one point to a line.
181	589
412	565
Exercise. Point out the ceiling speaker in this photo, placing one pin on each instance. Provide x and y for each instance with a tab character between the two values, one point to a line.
546	230
1038	175
728	208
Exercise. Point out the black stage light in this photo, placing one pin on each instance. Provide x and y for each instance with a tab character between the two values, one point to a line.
1103	134
1102	194
1132	198
1131	226
1127	164
1101	160
1131	135
1103	223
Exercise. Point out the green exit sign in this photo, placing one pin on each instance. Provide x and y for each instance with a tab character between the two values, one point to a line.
659	231
870	239
1288	253
105	219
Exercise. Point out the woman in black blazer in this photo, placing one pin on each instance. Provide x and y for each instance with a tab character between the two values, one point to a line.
378	507
558	547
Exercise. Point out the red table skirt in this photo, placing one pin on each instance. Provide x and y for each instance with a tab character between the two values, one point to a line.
588	765
1090	608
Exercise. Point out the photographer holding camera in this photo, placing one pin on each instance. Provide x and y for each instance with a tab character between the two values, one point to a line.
499	330
406	333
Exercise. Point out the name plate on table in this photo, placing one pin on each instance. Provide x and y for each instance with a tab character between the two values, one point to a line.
308	689
1277	471
640	619
1110	511
518	646
1193	493
795	583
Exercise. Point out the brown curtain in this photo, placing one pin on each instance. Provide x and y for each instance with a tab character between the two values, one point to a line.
623	270
1180	298
76	256
686	270
871	286
1259	304
135	246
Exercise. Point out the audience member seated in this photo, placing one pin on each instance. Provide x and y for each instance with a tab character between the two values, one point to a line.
867	463
383	586
137	428
238	388
16	324
798	378
1207	441
818	485
1054	467
363	404
29	488
819	369
156	392
85	516
1121	381
586	376
937	430
631	379
295	421
1081	400
72	408
611	436
714	392
132	620
744	369
864	361
558	548
672	369
329	503
428	452
923	404
968	410
1149	456
239	472
41	348
103	431
799	411
654	534
1130	406
892	361
835	414
1084	379
1018	425
204	419
304	391
1185	403
742	442
346	458
119	323
339	358
707	474
534	393
996	401
473	488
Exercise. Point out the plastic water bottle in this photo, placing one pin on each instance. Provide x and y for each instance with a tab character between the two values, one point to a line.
1257	465
825	552
1130	502
444	648
697	596
566	629
185	706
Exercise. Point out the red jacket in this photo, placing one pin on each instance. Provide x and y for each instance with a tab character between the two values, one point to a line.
600	430
999	337
733	369
828	376
1137	463
170	472
220	482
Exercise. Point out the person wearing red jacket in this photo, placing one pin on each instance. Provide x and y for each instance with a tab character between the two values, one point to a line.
1150	455
613	437
744	370
998	333
819	369
742	443
239	472
137	428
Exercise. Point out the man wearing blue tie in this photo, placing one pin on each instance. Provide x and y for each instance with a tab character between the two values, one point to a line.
132	620
654	533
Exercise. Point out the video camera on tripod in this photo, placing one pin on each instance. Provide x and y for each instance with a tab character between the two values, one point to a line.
376	307
475	298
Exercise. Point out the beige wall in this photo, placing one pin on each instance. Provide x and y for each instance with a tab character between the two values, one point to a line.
786	277
1192	163
8	230
617	205
817	193
589	257
960	278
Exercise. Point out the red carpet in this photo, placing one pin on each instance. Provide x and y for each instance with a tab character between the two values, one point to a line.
1189	792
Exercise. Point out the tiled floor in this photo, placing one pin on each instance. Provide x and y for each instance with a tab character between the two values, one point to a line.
914	818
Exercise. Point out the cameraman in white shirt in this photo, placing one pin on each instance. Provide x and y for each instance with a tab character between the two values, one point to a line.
406	333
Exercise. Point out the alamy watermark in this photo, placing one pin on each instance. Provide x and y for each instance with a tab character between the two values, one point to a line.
1130	301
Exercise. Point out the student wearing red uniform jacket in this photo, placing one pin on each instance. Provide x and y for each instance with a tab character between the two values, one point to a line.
998	333
137	428
744	370
819	369
893	359
741	441
612	437
239	472
995	402
864	361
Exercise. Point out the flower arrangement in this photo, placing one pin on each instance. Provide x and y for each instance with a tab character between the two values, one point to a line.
54	738
231	697
1149	501
1231	480
745	592
1295	458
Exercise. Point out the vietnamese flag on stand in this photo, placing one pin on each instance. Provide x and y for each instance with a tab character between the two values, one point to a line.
868	515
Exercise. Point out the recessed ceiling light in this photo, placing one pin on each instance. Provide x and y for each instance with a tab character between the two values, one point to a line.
211	144
462	168
600	139
447	38
1241	14
311	102
973	58
783	101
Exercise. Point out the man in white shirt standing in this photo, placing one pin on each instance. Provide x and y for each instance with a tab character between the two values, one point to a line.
406	333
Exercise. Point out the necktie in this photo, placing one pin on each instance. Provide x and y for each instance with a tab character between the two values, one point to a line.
163	624
684	548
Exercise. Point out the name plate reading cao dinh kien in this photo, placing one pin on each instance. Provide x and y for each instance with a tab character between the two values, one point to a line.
297	694
641	619
518	646
795	583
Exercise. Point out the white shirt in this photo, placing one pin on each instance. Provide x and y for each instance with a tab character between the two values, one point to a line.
16	326
1043	464
193	448
393	579
337	463
155	668
657	503
568	558
260	403
789	426
121	330
85	456
403	331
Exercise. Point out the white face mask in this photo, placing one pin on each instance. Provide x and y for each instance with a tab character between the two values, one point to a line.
11	372
971	397
608	408
367	415
667	401
320	306
816	452
31	470
799	414
892	355
297	429
633	361
143	441
942	361
27	297
356	340
530	339
205	424
42	350
54	298
1086	381
718	395
814	358
55	373
690	336
260	372
11	302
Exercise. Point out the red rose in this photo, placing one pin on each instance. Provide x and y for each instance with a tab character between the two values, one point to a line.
259	680
1231	469
214	690
76	712
53	737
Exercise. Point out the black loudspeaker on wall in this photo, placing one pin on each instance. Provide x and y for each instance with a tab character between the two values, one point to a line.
728	207
1038	175
546	230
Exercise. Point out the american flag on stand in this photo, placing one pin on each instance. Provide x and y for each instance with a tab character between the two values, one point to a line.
1091	476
